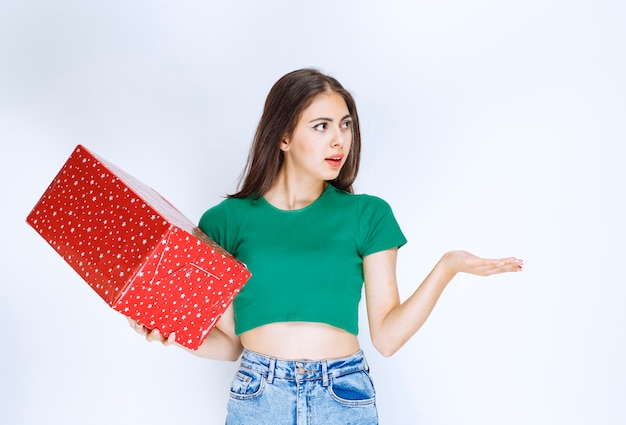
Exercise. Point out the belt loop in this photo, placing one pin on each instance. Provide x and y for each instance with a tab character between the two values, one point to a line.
325	373
367	366
270	374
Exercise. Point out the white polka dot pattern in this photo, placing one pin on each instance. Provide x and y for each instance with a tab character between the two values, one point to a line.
136	250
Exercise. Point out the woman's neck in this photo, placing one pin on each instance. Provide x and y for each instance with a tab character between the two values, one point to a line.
290	194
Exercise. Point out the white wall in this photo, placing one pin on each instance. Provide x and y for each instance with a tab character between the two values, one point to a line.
496	127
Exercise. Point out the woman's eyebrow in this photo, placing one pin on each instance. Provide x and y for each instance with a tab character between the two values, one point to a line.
330	119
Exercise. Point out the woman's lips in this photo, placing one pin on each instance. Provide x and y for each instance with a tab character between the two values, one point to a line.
334	161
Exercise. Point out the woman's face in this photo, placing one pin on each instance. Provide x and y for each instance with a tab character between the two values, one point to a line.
321	140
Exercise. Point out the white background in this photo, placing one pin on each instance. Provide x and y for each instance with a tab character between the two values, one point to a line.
496	127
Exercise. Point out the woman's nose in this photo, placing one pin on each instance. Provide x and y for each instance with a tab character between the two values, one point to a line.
339	139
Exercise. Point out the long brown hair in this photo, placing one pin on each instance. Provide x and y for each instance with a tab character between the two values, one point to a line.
289	96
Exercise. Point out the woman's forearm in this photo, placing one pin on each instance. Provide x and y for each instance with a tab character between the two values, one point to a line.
403	321
218	346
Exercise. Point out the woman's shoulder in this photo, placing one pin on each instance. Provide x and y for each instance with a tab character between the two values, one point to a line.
360	200
226	210
232	204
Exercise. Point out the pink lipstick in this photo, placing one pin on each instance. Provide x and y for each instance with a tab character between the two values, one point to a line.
334	160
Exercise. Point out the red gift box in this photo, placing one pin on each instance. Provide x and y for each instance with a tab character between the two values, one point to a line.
136	250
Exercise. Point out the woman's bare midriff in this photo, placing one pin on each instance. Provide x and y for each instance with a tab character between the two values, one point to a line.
300	341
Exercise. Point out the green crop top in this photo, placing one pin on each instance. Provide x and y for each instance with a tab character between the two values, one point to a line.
307	264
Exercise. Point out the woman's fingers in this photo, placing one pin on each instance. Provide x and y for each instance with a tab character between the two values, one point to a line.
170	339
504	265
156	335
152	334
140	329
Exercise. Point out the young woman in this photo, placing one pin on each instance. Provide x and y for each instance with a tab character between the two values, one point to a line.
311	245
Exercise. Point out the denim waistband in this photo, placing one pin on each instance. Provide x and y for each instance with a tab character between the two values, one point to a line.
303	370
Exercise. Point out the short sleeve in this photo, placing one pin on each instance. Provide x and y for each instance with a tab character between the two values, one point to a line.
378	227
214	222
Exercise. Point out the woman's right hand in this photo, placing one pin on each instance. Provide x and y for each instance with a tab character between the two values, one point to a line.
220	344
151	334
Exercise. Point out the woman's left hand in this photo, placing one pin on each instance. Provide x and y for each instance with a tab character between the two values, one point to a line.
465	262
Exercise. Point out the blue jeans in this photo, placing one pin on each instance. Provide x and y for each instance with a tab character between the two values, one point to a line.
268	391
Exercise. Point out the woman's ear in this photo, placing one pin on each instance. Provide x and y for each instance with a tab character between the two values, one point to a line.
284	143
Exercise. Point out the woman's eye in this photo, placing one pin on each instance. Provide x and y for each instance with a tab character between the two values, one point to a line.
320	127
346	124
